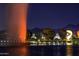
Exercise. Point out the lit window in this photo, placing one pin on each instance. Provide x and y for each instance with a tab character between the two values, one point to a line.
4	41
7	41
1	41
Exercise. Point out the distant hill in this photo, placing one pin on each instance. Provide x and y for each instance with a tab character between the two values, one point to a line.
2	31
69	26
72	27
35	30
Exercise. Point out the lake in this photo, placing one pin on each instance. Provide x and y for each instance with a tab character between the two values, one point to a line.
40	51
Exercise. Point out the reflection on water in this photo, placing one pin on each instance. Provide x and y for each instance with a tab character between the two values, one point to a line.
14	51
75	50
69	50
40	51
48	50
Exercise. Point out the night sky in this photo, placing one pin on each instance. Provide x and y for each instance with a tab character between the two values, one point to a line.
52	15
3	16
46	15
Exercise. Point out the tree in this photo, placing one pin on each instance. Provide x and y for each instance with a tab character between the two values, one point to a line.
28	35
62	33
48	33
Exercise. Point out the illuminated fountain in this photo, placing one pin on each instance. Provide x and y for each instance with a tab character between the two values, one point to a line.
17	16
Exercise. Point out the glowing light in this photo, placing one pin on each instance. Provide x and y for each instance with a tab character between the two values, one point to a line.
57	36
17	21
69	34
69	37
22	22
77	34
